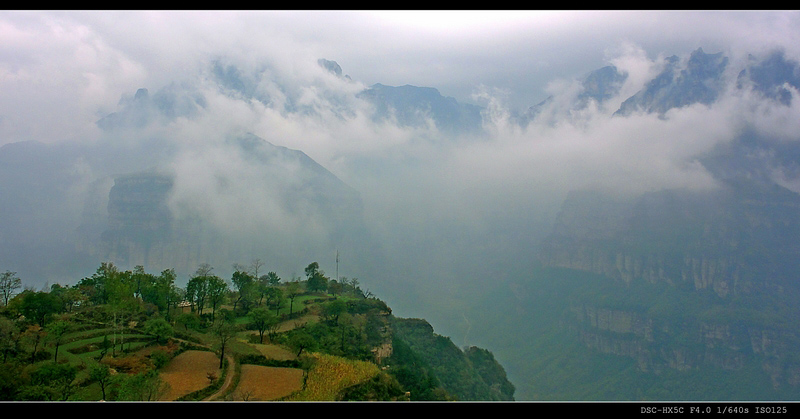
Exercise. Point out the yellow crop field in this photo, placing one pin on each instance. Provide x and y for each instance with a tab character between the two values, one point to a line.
332	374
259	383
187	372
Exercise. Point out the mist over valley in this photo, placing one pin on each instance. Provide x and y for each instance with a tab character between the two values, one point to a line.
628	232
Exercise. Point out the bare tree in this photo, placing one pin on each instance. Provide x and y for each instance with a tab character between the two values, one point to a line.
255	266
9	284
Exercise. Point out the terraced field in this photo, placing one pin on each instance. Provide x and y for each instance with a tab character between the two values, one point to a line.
275	352
188	372
127	362
259	383
332	374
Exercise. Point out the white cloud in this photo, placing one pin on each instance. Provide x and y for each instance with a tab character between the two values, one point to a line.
60	71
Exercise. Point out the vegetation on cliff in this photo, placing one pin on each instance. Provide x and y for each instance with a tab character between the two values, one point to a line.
132	335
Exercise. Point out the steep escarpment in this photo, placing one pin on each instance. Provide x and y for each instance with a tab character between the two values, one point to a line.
695	280
138	216
738	239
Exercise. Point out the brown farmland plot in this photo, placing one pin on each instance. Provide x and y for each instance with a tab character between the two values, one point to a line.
267	383
187	372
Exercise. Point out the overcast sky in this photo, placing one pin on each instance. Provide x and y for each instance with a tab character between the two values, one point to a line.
61	70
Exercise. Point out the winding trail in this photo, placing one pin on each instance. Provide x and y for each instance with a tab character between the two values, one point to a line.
228	381
287	325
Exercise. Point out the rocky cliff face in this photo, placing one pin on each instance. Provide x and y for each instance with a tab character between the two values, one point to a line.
702	279
137	208
725	344
699	279
738	239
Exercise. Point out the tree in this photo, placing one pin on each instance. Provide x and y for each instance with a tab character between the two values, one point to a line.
312	269
262	285
266	283
197	292
279	303
140	280
102	374
34	334
273	278
216	288
55	333
203	270
334	287
333	310
144	386
122	316
293	290
316	278
120	289
9	284
12	381
347	326
262	319
225	330
189	320
302	340
245	285
54	381
273	327
9	337
159	328
197	287
318	282
177	296
104	347
351	286
274	297
70	297
255	266
160	290
39	306
97	286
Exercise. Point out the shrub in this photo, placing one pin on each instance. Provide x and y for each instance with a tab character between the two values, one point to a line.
159	358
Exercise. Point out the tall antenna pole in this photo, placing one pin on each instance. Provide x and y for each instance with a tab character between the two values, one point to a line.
337	265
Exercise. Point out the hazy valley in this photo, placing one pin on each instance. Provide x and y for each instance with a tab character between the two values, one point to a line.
632	236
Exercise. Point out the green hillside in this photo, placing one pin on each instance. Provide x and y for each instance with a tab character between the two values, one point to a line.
136	336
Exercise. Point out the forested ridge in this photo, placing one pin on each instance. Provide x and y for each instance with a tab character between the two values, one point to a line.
128	335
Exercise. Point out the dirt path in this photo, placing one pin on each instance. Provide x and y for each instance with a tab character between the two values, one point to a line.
228	381
287	325
228	376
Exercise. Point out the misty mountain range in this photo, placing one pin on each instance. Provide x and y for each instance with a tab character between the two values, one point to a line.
169	186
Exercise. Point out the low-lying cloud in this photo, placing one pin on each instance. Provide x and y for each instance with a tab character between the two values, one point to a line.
432	201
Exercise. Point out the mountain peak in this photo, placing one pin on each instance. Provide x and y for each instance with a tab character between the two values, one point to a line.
141	94
331	66
700	81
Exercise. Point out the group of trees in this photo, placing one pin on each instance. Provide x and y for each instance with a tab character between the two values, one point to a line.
206	290
127	289
137	290
34	320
